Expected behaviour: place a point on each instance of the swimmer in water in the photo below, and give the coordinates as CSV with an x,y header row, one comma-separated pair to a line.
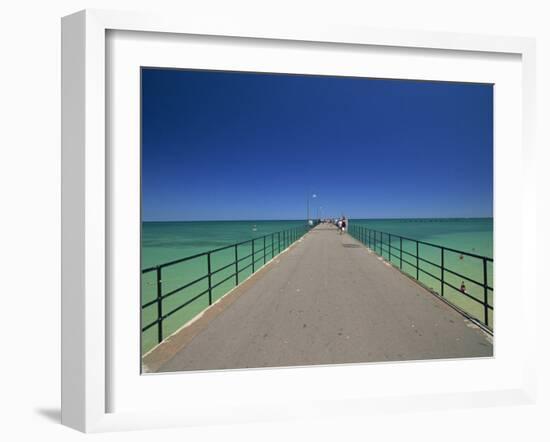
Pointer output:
x,y
463,287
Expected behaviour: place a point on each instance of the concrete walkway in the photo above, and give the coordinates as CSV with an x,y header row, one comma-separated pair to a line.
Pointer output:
x,y
327,300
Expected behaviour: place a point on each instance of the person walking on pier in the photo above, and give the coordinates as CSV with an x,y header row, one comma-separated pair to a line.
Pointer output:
x,y
344,224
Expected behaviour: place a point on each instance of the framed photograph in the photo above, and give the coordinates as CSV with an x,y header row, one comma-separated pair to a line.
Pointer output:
x,y
291,222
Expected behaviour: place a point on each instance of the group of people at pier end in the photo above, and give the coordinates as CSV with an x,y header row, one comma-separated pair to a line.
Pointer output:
x,y
342,224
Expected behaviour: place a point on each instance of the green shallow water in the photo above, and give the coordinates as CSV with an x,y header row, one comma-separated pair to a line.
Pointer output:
x,y
167,241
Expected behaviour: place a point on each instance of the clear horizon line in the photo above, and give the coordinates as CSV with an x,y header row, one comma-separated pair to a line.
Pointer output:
x,y
304,219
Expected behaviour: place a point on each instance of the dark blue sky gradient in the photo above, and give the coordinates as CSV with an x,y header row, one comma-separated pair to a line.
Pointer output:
x,y
222,146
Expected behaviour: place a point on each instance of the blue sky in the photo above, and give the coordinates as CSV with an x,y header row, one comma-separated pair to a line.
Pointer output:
x,y
228,145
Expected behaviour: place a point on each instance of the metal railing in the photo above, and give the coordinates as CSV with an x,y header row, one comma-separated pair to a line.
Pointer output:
x,y
271,245
393,248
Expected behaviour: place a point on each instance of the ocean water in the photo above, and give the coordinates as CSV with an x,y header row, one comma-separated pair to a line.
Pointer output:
x,y
168,241
473,235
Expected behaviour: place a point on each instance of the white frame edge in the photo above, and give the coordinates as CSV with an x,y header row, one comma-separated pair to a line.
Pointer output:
x,y
83,380
84,347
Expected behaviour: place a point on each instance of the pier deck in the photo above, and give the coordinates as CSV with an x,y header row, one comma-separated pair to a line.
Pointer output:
x,y
326,300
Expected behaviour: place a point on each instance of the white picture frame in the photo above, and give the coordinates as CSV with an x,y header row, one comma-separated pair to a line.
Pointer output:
x,y
86,317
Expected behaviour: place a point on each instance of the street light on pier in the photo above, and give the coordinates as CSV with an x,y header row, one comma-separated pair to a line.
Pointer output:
x,y
313,196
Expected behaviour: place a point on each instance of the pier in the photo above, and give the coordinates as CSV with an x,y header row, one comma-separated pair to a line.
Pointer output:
x,y
326,299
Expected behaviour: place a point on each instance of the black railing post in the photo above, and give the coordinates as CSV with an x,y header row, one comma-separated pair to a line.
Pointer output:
x,y
159,303
264,250
485,294
401,252
389,247
278,242
417,264
253,253
272,246
442,271
236,265
209,279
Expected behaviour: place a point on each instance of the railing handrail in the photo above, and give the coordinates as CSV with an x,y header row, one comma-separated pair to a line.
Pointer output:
x,y
366,234
284,238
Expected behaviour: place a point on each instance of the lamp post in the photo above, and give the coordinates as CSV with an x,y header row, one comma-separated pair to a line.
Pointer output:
x,y
312,196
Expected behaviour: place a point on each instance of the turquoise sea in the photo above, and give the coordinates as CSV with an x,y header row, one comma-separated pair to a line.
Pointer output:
x,y
168,241
474,235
